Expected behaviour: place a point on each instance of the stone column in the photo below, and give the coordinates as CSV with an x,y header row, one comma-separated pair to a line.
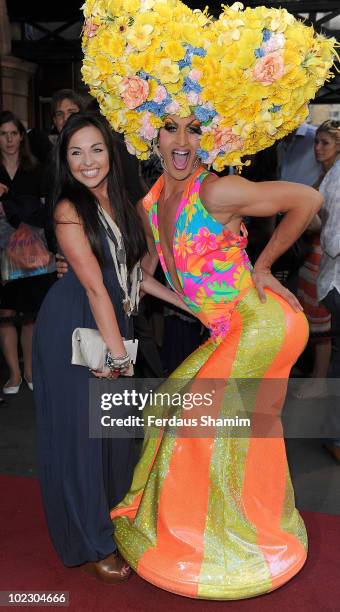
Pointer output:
x,y
15,74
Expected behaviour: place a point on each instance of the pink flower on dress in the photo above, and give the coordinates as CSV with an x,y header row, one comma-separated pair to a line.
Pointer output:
x,y
160,94
219,328
134,91
269,68
204,240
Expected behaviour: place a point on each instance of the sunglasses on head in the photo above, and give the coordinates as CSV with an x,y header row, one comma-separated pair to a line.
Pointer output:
x,y
332,123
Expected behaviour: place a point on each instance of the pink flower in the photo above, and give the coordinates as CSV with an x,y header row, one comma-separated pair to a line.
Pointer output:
x,y
147,131
204,240
195,74
275,42
90,28
134,91
212,156
172,108
160,94
130,148
193,98
225,139
269,68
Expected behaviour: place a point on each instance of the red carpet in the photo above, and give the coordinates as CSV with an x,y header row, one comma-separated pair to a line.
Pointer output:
x,y
29,563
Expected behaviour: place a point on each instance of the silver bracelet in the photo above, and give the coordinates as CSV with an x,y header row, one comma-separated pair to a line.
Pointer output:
x,y
118,363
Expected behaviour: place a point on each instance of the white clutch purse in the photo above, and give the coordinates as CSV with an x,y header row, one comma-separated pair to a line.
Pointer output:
x,y
89,349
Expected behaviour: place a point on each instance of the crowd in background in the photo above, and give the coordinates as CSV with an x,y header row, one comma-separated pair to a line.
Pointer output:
x,y
311,267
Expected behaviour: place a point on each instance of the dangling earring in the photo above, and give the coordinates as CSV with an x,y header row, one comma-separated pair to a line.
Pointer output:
x,y
196,163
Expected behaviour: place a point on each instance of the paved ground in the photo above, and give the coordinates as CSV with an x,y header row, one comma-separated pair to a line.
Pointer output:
x,y
316,476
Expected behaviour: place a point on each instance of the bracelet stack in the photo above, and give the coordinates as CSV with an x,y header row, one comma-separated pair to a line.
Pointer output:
x,y
118,364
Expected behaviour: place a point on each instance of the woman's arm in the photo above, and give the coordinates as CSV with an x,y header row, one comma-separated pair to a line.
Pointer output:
x,y
153,287
77,250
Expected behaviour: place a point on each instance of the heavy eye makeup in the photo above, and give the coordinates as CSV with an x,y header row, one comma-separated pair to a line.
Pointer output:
x,y
193,128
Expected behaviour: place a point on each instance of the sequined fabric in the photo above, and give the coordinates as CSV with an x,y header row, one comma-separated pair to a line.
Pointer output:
x,y
212,515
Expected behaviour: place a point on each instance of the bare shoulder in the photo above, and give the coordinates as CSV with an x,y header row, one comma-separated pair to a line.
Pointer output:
x,y
226,190
65,212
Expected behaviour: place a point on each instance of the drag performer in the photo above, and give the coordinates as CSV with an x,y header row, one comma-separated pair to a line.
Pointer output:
x,y
214,516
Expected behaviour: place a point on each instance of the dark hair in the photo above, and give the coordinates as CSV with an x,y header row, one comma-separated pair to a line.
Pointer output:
x,y
93,106
66,94
26,159
67,187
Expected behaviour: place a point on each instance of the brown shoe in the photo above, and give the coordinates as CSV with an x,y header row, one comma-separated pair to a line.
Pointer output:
x,y
111,570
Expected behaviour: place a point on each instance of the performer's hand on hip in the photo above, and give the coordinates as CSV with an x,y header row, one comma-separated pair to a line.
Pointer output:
x,y
263,279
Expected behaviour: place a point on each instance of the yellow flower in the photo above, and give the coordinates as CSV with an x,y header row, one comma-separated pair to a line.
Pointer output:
x,y
168,71
175,88
280,20
104,64
133,120
139,36
147,5
94,8
132,5
137,142
202,19
207,141
112,44
183,244
173,50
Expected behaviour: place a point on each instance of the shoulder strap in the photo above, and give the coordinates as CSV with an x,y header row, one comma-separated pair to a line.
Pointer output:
x,y
153,195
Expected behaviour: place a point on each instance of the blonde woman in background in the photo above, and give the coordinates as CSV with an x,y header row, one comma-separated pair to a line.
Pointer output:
x,y
328,284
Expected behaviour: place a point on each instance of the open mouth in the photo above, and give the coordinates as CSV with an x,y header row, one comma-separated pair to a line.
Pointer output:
x,y
180,159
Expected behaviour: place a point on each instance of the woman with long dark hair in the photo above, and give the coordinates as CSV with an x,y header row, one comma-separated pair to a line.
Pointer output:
x,y
81,477
23,288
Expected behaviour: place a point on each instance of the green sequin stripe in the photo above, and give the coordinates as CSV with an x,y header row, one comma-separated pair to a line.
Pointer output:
x,y
291,520
234,566
135,536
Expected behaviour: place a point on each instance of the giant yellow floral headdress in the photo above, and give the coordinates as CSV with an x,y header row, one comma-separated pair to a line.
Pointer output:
x,y
247,76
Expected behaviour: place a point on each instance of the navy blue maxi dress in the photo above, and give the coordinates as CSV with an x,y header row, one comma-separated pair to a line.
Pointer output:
x,y
81,478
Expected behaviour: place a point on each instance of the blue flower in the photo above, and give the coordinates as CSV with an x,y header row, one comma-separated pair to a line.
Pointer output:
x,y
203,114
143,75
153,107
266,35
259,53
190,85
184,62
275,108
202,154
199,51
189,52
